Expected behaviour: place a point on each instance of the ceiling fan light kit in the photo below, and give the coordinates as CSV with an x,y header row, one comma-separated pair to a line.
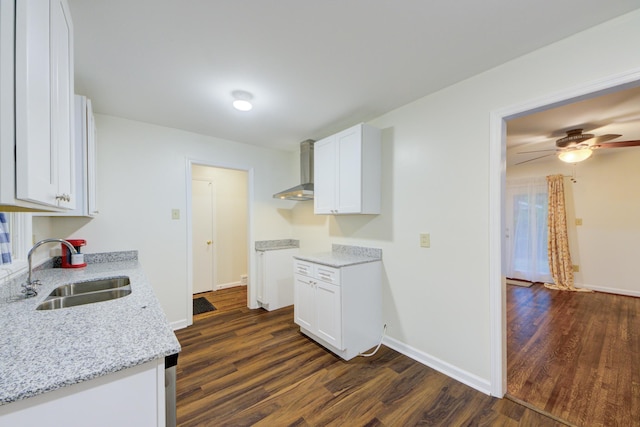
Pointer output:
x,y
575,156
573,148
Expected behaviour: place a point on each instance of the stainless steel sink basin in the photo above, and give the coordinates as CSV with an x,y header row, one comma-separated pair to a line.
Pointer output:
x,y
81,293
82,299
90,286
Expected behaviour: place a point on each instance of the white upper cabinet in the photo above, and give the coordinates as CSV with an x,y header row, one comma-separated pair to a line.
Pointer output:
x,y
84,169
347,172
41,44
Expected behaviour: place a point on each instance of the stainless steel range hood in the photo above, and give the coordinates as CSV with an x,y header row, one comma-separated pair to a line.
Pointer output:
x,y
304,191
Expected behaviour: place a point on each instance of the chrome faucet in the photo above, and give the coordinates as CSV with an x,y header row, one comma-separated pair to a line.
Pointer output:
x,y
29,289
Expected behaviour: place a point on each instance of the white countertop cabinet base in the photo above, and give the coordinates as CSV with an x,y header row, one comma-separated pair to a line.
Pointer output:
x,y
275,279
340,308
131,397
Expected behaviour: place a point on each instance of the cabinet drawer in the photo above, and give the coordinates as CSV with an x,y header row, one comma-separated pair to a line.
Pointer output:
x,y
304,268
328,274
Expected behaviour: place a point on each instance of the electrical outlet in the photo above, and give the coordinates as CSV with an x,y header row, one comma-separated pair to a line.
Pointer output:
x,y
175,213
425,240
578,221
576,268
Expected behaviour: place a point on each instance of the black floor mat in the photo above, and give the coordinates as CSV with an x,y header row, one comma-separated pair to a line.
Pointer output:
x,y
202,305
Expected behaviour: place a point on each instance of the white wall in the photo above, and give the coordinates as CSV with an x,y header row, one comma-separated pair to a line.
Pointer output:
x,y
605,197
142,176
230,227
436,170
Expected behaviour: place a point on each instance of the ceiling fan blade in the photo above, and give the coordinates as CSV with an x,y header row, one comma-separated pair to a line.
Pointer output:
x,y
531,160
619,144
604,138
536,151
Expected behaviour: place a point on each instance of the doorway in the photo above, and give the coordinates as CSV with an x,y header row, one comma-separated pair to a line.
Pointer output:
x,y
498,160
219,229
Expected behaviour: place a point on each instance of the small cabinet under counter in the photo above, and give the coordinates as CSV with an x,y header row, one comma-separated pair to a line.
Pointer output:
x,y
274,276
339,306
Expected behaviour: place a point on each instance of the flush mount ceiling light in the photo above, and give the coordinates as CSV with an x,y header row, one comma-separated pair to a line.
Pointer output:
x,y
575,156
242,100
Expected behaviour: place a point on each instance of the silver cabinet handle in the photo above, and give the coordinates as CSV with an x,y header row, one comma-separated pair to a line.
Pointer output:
x,y
64,197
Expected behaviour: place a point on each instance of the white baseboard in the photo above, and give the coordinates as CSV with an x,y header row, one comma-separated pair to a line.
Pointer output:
x,y
627,292
179,324
229,285
449,370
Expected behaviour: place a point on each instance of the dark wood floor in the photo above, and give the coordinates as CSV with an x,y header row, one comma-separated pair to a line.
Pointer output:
x,y
575,355
241,367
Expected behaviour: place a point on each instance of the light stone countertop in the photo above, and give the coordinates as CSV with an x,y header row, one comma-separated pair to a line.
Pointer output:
x,y
275,245
43,350
343,256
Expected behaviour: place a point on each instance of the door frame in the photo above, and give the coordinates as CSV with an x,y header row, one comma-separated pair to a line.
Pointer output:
x,y
251,292
214,237
497,179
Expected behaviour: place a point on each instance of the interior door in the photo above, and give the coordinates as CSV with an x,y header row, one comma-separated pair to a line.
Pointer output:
x,y
203,209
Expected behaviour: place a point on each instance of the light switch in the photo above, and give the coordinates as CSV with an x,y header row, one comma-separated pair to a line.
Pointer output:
x,y
175,213
425,240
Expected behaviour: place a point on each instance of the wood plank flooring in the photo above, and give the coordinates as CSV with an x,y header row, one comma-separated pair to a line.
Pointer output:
x,y
575,355
242,367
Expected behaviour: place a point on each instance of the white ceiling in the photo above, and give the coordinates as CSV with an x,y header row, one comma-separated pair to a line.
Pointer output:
x,y
314,67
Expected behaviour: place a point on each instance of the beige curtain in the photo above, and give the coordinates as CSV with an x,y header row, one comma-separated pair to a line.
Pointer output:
x,y
560,263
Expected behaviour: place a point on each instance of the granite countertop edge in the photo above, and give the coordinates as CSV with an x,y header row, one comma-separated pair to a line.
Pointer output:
x,y
275,245
91,340
332,260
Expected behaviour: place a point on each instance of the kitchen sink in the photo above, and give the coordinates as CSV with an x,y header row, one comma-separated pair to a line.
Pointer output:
x,y
90,286
89,292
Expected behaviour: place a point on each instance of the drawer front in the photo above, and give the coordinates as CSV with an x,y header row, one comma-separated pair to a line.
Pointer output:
x,y
328,274
302,267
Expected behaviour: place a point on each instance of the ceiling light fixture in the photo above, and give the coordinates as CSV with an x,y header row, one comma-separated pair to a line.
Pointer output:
x,y
242,100
575,156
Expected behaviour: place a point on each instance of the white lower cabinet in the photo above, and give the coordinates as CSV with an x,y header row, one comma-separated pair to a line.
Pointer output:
x,y
132,397
339,308
275,280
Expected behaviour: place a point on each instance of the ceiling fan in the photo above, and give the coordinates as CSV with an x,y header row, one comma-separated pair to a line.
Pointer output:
x,y
577,146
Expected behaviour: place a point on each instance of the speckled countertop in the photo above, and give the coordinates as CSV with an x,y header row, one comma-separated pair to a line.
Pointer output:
x,y
274,245
43,350
343,256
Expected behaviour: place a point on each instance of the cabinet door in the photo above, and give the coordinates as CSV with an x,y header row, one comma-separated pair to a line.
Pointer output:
x,y
349,171
92,159
36,171
304,306
324,175
44,103
62,101
329,313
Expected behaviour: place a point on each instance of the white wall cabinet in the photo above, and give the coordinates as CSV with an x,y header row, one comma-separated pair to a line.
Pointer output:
x,y
85,166
37,76
347,172
275,279
339,308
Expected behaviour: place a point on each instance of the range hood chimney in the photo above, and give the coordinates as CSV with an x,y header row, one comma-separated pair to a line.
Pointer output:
x,y
304,191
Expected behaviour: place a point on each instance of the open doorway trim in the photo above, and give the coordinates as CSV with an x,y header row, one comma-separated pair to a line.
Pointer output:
x,y
497,179
251,300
